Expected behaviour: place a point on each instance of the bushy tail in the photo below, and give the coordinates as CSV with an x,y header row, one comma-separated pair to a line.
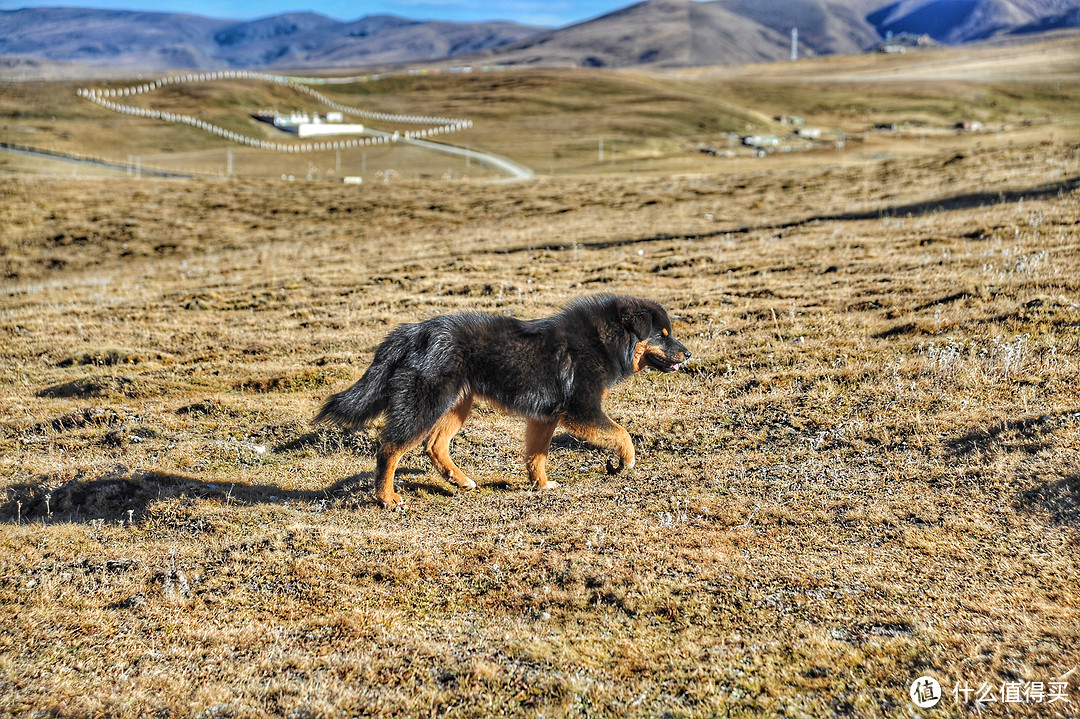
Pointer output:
x,y
366,399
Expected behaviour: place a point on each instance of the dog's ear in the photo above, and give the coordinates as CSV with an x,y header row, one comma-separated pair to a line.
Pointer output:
x,y
635,318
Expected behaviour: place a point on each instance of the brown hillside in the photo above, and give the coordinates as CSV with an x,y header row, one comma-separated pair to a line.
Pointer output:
x,y
661,33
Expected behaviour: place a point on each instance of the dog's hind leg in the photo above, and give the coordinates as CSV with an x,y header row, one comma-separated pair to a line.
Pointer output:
x,y
537,443
599,431
386,462
437,444
416,405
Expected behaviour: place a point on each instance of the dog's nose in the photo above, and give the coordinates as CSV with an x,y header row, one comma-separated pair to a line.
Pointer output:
x,y
687,353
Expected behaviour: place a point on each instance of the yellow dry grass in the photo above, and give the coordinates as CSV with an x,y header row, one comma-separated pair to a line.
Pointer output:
x,y
868,475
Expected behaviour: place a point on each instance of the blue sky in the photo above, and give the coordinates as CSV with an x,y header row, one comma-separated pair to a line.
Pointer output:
x,y
533,12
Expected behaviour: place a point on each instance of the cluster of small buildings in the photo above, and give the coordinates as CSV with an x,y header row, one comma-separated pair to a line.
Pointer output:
x,y
902,42
802,137
303,125
770,143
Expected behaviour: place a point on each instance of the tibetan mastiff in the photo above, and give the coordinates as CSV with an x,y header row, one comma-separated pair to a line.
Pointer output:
x,y
551,371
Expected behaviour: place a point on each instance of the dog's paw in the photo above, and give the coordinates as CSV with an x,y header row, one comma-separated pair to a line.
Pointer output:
x,y
463,483
395,502
550,484
613,468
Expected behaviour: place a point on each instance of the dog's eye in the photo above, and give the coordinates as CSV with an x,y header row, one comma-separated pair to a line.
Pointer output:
x,y
664,332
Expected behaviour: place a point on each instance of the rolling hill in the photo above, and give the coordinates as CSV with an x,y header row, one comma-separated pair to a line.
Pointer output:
x,y
670,33
659,33
960,21
149,41
826,27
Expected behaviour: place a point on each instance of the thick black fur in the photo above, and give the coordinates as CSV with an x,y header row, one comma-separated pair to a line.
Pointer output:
x,y
542,369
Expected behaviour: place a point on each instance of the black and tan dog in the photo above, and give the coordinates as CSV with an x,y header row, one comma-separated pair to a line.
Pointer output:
x,y
551,371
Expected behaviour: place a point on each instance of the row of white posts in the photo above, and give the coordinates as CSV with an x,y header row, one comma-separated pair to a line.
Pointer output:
x,y
99,97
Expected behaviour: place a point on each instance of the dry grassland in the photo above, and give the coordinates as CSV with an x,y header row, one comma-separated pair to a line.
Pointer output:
x,y
867,474
561,122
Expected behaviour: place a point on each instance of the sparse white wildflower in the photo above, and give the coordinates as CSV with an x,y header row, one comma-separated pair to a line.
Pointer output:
x,y
1010,357
945,359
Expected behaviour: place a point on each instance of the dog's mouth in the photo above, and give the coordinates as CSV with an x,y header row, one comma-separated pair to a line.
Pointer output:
x,y
662,363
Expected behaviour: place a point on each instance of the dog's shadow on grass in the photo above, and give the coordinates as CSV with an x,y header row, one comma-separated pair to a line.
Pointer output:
x,y
127,494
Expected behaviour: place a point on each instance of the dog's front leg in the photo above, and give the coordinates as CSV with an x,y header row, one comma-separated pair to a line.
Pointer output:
x,y
600,431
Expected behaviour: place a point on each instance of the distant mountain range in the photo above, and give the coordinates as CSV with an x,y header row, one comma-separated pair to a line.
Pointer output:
x,y
661,33
956,22
157,41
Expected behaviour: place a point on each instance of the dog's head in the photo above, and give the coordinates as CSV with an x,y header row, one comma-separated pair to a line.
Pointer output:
x,y
650,326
